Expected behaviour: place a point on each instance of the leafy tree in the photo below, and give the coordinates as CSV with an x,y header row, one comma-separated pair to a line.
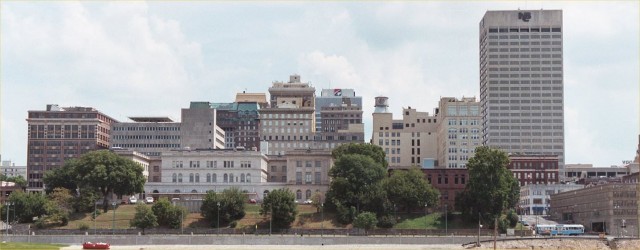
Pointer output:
x,y
410,189
366,221
168,214
375,152
491,189
231,207
356,183
317,200
26,206
59,206
18,180
85,201
144,218
280,204
62,177
108,173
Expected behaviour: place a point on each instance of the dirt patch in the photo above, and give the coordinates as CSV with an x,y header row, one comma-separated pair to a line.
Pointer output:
x,y
550,244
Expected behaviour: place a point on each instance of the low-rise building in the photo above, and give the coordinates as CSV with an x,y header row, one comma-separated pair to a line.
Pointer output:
x,y
9,169
536,198
534,169
610,208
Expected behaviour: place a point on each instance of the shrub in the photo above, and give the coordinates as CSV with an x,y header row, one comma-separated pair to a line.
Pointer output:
x,y
386,221
513,218
83,226
233,224
366,221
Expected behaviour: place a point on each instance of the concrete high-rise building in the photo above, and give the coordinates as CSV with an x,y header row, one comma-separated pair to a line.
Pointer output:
x,y
147,135
459,126
408,142
240,122
199,129
289,121
336,98
58,134
521,81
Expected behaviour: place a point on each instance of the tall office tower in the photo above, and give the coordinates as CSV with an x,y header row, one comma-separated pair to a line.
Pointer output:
x,y
198,129
58,134
459,126
521,82
338,118
335,98
240,122
407,142
147,135
289,121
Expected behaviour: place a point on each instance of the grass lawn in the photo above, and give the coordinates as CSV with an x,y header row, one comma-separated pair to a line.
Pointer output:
x,y
35,246
124,213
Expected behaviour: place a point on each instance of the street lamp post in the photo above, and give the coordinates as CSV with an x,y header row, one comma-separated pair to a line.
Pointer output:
x,y
218,210
425,219
113,230
322,223
271,218
8,205
95,216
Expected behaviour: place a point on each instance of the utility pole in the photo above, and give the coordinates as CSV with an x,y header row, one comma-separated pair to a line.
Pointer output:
x,y
495,232
479,227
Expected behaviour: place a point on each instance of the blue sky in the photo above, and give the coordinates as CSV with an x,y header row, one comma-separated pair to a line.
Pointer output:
x,y
137,58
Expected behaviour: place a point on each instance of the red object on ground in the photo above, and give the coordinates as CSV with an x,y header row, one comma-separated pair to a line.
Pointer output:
x,y
98,245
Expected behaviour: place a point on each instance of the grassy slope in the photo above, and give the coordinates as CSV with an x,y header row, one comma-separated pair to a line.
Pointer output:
x,y
307,218
34,246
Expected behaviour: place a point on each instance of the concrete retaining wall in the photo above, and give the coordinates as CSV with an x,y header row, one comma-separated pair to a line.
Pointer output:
x,y
238,239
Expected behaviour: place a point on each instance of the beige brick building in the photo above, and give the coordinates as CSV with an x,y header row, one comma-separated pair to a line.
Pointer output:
x,y
459,131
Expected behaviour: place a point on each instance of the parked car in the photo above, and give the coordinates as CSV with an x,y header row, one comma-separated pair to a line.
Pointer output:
x,y
133,200
253,201
149,199
308,201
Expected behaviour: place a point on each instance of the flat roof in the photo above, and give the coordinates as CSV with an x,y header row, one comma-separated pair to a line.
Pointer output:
x,y
150,119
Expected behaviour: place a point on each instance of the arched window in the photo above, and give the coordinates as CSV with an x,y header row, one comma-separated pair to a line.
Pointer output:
x,y
194,191
197,177
226,178
208,177
179,177
298,195
215,178
241,177
308,194
191,177
230,177
248,177
176,191
174,178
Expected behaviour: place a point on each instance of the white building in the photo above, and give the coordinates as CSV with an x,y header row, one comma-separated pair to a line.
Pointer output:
x,y
9,169
536,198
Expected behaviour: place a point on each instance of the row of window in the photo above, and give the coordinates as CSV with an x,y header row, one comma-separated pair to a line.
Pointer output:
x,y
285,116
145,145
308,164
525,36
307,178
525,30
147,137
211,178
116,128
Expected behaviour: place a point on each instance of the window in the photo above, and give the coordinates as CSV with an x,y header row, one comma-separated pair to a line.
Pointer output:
x,y
308,194
175,178
307,178
208,177
225,178
318,164
248,177
241,177
298,194
298,177
179,177
214,178
191,177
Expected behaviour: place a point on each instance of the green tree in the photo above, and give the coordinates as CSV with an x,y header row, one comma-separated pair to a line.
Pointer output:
x,y
366,221
62,177
410,189
356,182
144,218
108,173
231,207
26,206
280,204
375,152
317,200
59,206
177,214
162,210
491,189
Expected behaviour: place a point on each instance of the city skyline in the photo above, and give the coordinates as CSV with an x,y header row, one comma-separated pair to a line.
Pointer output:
x,y
130,59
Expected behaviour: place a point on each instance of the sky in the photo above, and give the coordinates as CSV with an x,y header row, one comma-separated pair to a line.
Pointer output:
x,y
153,58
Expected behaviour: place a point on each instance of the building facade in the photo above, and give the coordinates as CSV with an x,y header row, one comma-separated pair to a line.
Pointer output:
x,y
521,81
289,121
610,208
61,133
450,182
406,142
536,198
198,128
147,135
459,131
336,98
534,169
9,169
240,122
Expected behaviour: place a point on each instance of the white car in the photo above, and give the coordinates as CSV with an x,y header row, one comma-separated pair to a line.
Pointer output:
x,y
149,199
133,200
308,201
